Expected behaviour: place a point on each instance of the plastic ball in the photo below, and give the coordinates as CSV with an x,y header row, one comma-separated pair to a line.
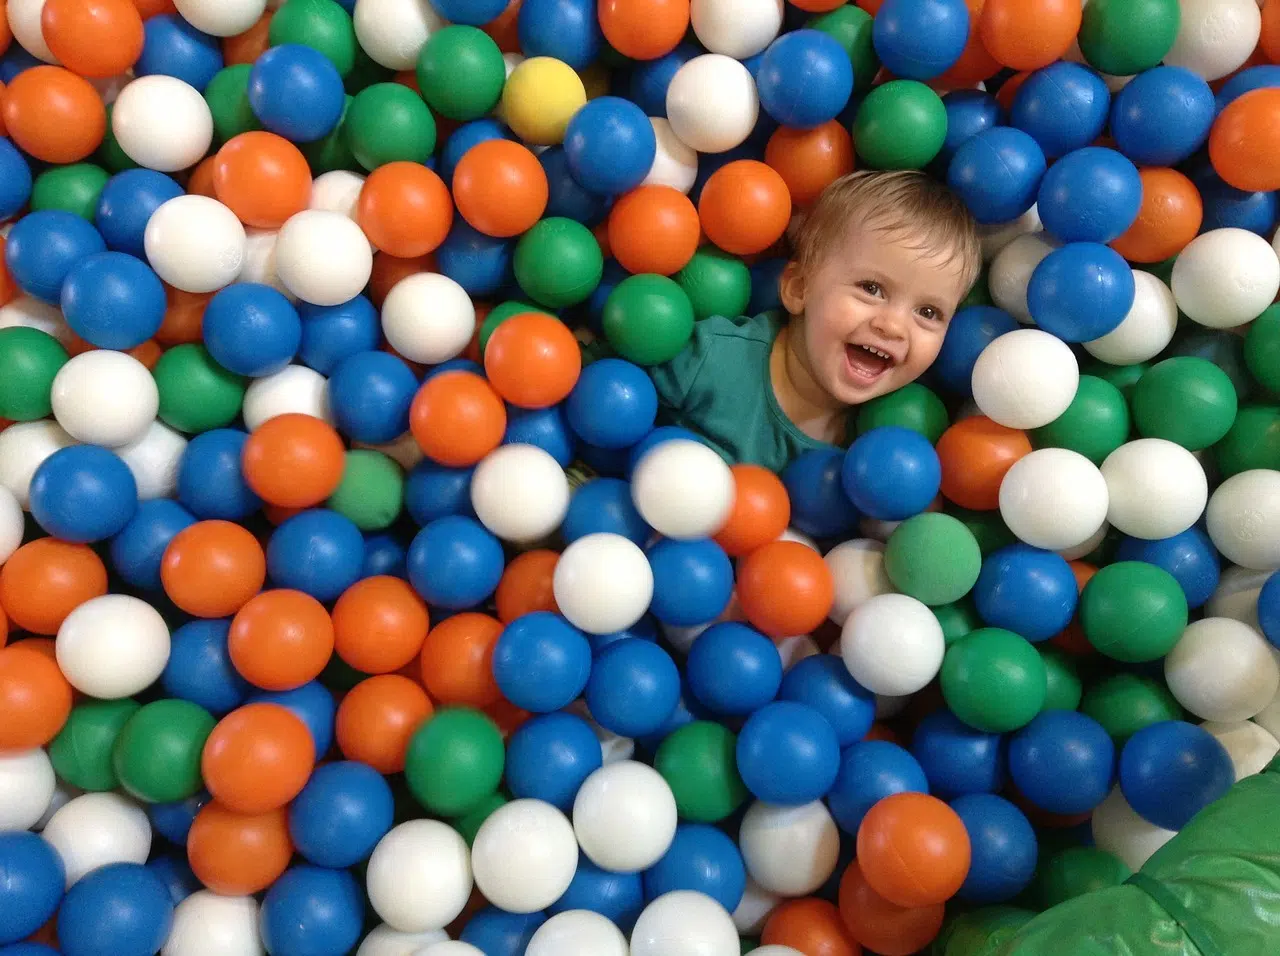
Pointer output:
x,y
1171,770
122,906
957,759
1003,848
524,856
1215,53
1090,195
971,329
1146,330
1221,670
558,263
933,558
520,493
892,645
920,39
296,91
540,97
1171,215
1027,591
96,829
314,908
702,859
785,588
27,783
1015,260
52,114
1053,482
997,173
805,79
994,680
891,473
457,418
208,922
577,932
322,257
634,687
1081,292
712,103
455,562
1063,762
541,663
43,248
1248,542
1163,116
1132,611
83,493
1063,107
624,816
733,669
418,877
113,300
1222,278
683,923
1025,379
693,581
683,489
550,756
1156,489
913,849
736,30
162,123
392,32
33,886
195,243
901,124
17,179
610,145
788,754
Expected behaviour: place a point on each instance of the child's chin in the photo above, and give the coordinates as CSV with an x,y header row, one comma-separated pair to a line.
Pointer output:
x,y
855,391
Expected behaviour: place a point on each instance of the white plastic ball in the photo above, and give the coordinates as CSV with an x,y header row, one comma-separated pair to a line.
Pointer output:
x,y
24,24
1244,519
793,650
1269,718
712,104
31,313
323,257
674,163
1148,328
520,493
524,856
207,924
1010,272
791,851
755,908
23,448
113,646
260,261
419,876
997,236
736,28
105,398
337,191
384,940
602,583
294,389
577,933
1225,278
857,567
613,747
448,947
1250,746
27,783
162,123
96,829
393,32
1118,829
221,18
1221,670
684,923
195,243
1156,488
892,644
154,460
1215,37
1088,545
1053,498
683,489
1025,379
624,817
1236,595
428,318
791,534
12,524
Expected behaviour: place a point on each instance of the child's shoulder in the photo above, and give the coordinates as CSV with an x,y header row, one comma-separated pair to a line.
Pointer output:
x,y
755,328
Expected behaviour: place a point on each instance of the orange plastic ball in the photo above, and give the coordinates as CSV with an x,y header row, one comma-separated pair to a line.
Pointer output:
x,y
885,927
457,660
504,29
1029,34
379,624
293,460
248,46
500,188
785,588
1269,42
258,758
532,360
1244,144
975,63
1072,639
761,511
405,209
54,115
35,698
811,926
8,287
378,717
654,229
46,579
212,568
644,29
817,6
280,639
262,178
913,849
1009,89
745,207
1169,217
183,316
6,37
526,586
238,854
200,182
389,269
975,454
97,38
457,418
810,160
153,8
4,627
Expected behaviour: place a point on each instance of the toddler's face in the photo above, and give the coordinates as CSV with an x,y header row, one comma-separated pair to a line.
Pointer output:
x,y
875,311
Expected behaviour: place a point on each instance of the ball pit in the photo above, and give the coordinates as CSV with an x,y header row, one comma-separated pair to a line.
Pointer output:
x,y
349,604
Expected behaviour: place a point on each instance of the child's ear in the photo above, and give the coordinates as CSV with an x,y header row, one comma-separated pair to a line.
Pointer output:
x,y
791,288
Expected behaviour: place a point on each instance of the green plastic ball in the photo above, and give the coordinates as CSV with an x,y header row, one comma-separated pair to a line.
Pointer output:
x,y
196,393
558,262
1188,401
388,123
322,25
228,97
1078,870
1124,37
901,124
957,619
81,753
1095,424
933,557
979,294
699,762
1252,442
469,824
74,189
980,932
913,406
1125,703
1063,675
366,73
499,314
461,73
157,755
1123,377
1262,349
371,492
987,528
994,680
1219,348
648,319
29,360
455,761
850,26
716,283
333,151
1132,611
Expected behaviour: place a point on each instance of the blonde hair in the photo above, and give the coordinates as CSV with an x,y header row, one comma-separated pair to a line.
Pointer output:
x,y
902,205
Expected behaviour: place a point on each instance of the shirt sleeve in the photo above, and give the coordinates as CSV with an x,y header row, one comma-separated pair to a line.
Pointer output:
x,y
674,379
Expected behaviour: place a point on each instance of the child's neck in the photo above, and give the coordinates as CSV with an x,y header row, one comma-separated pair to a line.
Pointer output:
x,y
799,395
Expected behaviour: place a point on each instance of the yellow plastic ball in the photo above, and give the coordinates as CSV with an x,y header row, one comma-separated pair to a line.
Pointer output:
x,y
540,98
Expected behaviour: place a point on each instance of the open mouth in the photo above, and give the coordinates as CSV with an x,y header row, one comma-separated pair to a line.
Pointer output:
x,y
866,362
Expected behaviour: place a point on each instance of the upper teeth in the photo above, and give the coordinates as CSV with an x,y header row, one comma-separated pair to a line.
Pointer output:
x,y
876,351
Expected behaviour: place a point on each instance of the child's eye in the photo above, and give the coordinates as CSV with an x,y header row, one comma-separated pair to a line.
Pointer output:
x,y
869,287
930,313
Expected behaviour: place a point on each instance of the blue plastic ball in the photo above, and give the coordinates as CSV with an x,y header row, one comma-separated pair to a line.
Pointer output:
x,y
692,581
545,428
121,909
1190,557
646,629
566,30
651,78
15,179
14,61
383,555
1063,107
1162,116
251,329
331,333
619,897
1090,195
113,300
788,753
341,814
454,562
1026,590
969,112
496,932
819,505
480,264
805,79
210,482
1269,609
1170,771
956,758
920,39
972,329
44,246
32,878
1262,77
549,756
318,552
891,473
176,875
565,195
541,662
370,393
703,860
313,704
1081,292
733,669
1003,849
200,669
474,13
608,462
173,820
1226,207
613,405
173,47
312,910
433,491
296,92
452,365
823,682
610,145
997,173
869,771
83,493
634,687
1063,762
765,276
137,551
126,205
609,279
